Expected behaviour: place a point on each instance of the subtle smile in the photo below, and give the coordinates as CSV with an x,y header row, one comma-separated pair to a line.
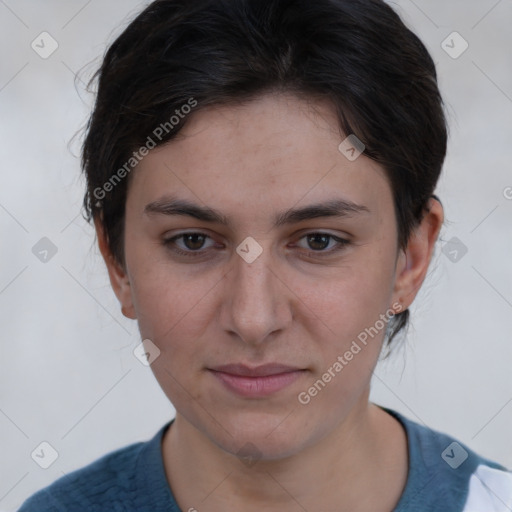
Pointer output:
x,y
256,382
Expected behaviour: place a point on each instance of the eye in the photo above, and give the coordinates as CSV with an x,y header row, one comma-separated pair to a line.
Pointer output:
x,y
319,242
191,243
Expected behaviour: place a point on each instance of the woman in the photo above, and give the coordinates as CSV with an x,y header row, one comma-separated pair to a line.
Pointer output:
x,y
261,177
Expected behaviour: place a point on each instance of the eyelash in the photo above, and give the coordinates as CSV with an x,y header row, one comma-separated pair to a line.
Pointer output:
x,y
170,243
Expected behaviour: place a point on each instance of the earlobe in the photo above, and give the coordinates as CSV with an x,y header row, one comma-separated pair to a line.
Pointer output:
x,y
118,276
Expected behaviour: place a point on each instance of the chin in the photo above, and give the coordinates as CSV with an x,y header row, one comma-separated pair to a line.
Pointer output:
x,y
261,436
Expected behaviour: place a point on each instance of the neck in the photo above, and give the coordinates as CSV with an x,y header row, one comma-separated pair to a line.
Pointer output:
x,y
357,465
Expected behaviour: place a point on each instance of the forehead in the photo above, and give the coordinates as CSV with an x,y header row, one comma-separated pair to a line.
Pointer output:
x,y
270,153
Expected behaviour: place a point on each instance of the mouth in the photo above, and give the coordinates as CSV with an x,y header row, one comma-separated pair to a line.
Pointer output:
x,y
256,382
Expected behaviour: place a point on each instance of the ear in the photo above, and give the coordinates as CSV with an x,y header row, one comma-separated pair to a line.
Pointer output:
x,y
413,263
118,276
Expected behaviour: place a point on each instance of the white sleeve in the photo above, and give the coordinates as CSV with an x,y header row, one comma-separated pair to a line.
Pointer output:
x,y
490,490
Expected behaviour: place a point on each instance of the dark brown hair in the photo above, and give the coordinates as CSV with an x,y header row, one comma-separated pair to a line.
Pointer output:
x,y
357,54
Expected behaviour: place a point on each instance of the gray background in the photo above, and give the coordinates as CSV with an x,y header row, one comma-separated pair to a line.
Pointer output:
x,y
67,372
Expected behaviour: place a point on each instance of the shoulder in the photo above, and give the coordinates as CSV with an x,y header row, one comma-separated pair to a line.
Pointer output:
x,y
117,481
445,474
108,479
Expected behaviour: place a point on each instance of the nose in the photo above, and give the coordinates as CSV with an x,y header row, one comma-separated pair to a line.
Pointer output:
x,y
256,303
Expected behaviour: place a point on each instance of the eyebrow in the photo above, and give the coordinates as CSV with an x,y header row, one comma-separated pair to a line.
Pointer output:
x,y
332,208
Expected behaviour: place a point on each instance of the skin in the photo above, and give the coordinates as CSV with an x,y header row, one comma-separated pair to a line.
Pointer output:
x,y
296,304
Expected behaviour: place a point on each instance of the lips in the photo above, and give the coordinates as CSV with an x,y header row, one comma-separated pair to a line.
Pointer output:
x,y
257,371
256,382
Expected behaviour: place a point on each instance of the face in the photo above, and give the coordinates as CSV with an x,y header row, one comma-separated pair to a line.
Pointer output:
x,y
257,254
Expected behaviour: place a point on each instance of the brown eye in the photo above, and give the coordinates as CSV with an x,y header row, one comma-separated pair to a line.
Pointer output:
x,y
318,241
323,243
189,244
194,241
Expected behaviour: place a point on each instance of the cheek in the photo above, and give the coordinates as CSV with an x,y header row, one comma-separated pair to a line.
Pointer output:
x,y
350,298
169,302
350,333
167,310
